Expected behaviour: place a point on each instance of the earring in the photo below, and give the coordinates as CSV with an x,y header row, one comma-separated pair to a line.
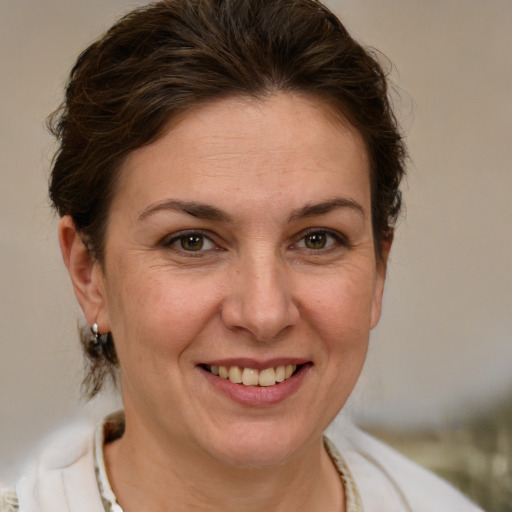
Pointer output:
x,y
95,334
98,340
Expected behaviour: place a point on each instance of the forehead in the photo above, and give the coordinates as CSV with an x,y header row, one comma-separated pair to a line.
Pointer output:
x,y
281,143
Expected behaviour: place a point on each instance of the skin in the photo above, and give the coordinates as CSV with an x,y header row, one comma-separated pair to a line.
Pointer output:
x,y
262,287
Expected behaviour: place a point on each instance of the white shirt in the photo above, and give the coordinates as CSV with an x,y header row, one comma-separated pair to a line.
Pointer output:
x,y
70,476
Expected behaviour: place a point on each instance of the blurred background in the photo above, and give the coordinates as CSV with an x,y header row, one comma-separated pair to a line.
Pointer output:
x,y
438,381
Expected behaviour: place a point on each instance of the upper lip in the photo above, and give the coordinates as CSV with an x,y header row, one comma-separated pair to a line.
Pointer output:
x,y
256,364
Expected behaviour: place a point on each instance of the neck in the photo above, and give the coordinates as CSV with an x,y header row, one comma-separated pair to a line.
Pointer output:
x,y
148,475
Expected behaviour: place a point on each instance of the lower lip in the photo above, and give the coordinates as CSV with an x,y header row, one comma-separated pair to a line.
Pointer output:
x,y
258,396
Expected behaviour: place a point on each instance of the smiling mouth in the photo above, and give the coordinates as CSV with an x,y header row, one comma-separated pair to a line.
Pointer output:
x,y
252,377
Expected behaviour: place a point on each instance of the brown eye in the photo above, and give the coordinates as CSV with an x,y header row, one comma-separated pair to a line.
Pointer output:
x,y
320,240
315,240
192,242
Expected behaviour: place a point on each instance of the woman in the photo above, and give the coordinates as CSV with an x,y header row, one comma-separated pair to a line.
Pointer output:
x,y
228,181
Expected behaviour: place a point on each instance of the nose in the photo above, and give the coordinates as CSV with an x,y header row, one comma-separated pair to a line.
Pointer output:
x,y
260,299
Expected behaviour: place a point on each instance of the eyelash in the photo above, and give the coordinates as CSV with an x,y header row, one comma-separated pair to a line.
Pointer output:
x,y
338,241
183,235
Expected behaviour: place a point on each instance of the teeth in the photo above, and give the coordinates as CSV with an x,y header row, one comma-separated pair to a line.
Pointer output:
x,y
252,377
235,374
280,374
267,377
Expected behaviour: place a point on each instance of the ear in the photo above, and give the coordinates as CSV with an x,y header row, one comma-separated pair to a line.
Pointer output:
x,y
86,274
380,279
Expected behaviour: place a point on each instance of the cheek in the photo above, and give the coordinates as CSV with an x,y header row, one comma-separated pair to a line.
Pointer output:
x,y
342,302
156,313
339,317
339,312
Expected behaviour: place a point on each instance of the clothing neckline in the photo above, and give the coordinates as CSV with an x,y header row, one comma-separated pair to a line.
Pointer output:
x,y
112,428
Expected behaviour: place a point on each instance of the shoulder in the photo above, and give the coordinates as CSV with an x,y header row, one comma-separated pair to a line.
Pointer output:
x,y
60,477
384,476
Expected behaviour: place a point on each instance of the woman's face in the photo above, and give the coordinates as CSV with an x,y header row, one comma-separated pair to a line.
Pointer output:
x,y
241,242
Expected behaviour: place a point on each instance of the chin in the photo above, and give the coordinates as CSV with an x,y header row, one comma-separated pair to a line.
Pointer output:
x,y
259,447
254,457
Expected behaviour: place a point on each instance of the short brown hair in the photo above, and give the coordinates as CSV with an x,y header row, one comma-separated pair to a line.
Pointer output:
x,y
173,55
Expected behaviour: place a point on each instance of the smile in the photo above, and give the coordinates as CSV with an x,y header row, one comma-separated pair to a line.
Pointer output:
x,y
253,377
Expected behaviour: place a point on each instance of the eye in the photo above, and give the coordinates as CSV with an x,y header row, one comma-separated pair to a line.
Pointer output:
x,y
191,241
318,240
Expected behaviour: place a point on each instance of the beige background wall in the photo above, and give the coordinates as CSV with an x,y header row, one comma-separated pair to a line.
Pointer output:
x,y
444,348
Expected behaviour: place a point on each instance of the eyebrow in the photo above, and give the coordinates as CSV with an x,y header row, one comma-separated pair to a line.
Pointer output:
x,y
198,210
208,212
313,210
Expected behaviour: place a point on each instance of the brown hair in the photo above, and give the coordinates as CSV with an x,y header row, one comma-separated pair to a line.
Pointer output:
x,y
173,55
